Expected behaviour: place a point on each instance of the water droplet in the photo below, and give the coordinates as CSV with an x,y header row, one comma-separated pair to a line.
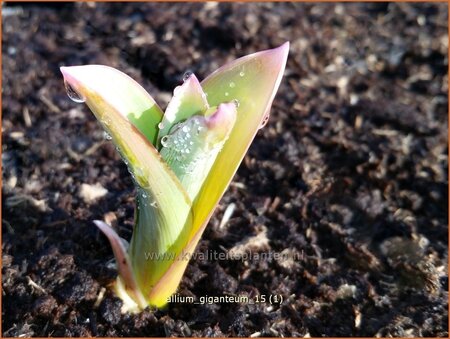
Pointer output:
x,y
227,94
236,103
232,84
72,94
106,136
154,204
185,128
241,74
265,120
164,141
187,75
160,125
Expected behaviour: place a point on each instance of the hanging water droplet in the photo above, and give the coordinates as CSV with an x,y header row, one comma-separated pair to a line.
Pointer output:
x,y
106,136
160,125
187,75
227,94
232,84
236,103
264,122
72,94
241,73
164,141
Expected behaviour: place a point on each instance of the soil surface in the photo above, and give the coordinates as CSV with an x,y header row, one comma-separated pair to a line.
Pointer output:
x,y
349,177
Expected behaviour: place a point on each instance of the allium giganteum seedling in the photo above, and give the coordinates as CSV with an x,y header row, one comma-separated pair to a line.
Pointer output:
x,y
182,160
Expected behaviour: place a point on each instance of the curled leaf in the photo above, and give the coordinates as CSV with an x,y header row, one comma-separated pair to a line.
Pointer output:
x,y
191,149
188,100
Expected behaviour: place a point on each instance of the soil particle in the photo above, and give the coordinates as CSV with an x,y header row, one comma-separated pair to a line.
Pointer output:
x,y
110,310
44,306
78,288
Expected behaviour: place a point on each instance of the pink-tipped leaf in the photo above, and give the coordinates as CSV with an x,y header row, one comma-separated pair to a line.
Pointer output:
x,y
128,98
253,81
123,263
188,99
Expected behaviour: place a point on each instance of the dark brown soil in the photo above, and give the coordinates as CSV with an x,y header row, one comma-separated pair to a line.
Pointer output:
x,y
350,174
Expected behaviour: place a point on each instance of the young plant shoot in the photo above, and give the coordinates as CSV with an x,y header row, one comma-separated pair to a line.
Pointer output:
x,y
181,161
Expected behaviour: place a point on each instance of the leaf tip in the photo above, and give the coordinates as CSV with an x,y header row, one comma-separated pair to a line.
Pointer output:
x,y
222,121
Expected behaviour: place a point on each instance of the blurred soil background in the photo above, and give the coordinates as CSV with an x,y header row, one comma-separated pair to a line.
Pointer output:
x,y
349,176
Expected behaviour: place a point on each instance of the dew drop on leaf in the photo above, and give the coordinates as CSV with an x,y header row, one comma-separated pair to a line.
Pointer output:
x,y
72,94
164,141
160,125
232,84
227,94
106,136
265,120
241,74
236,103
187,75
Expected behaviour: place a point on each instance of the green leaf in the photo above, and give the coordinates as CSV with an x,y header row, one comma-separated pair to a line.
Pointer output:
x,y
253,81
164,216
120,91
188,100
191,149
